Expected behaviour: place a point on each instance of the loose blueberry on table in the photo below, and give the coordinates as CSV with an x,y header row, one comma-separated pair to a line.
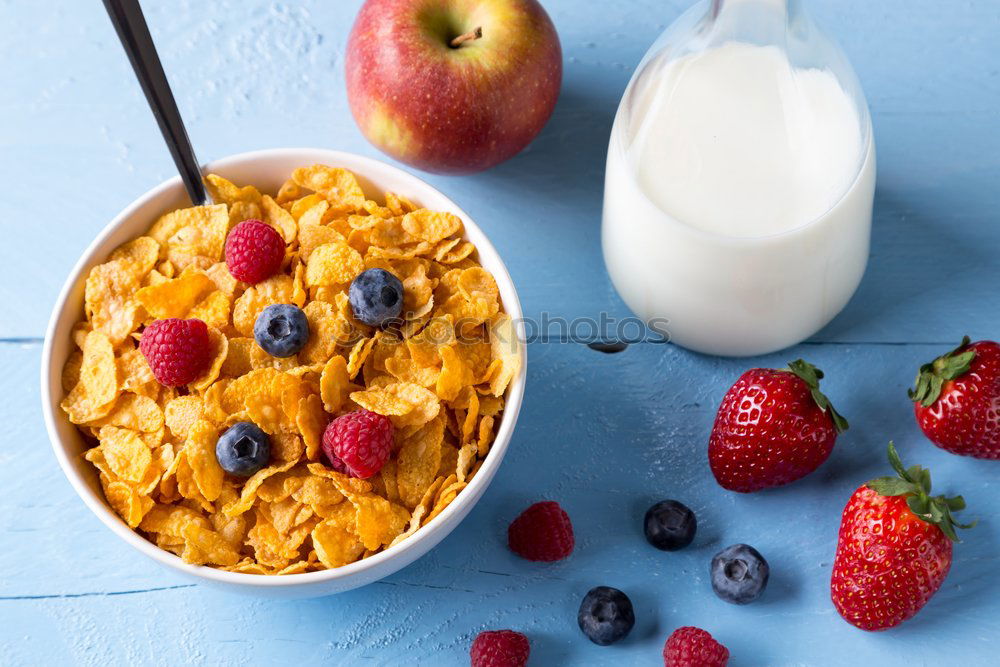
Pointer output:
x,y
605,615
281,330
243,449
739,574
376,297
669,525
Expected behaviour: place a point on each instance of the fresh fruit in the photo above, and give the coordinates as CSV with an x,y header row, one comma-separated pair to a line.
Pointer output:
x,y
693,647
480,79
254,251
177,351
543,532
499,648
894,549
670,525
605,615
359,441
739,574
774,426
957,400
243,449
376,297
281,329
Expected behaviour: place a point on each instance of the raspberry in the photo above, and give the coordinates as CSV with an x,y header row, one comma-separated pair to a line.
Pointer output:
x,y
254,251
335,461
500,648
177,351
358,443
693,647
542,532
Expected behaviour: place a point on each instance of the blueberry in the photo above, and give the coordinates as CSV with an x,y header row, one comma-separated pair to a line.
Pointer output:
x,y
605,615
243,449
739,574
376,297
670,525
281,329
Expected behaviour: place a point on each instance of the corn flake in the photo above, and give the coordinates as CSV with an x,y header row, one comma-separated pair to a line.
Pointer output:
x,y
430,225
333,264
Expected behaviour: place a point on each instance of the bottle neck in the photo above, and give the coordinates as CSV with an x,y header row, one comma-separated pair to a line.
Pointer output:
x,y
790,7
756,21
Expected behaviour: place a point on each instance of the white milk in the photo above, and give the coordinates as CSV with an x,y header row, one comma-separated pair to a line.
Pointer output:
x,y
738,199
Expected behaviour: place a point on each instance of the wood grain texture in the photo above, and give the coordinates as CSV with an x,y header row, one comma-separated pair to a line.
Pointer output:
x,y
605,435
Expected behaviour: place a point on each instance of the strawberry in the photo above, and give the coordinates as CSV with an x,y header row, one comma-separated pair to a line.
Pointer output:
x,y
773,427
894,549
957,400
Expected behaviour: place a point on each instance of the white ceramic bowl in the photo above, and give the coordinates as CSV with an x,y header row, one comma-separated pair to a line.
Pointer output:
x,y
266,169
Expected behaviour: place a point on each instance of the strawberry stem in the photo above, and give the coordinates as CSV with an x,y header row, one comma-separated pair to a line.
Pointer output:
x,y
915,484
931,377
811,376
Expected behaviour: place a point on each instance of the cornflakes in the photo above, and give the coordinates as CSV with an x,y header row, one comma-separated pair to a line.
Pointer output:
x,y
439,375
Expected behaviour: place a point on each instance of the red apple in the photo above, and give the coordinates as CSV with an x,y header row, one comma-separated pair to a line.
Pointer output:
x,y
452,86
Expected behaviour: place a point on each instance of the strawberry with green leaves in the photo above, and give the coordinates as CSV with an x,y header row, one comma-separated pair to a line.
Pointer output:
x,y
894,550
773,427
957,400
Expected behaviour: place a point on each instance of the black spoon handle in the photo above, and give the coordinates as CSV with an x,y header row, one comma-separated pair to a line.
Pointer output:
x,y
126,15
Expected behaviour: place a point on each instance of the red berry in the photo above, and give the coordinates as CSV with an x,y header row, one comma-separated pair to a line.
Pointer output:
x,y
542,532
500,648
177,351
335,461
693,647
254,251
773,427
358,443
957,400
889,560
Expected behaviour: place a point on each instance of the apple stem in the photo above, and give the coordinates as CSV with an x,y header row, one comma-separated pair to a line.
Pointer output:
x,y
467,37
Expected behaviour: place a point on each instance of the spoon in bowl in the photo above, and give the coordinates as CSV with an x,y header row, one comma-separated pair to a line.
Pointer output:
x,y
130,24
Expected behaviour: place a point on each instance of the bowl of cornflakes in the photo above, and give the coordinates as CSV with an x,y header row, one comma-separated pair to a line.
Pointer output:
x,y
153,458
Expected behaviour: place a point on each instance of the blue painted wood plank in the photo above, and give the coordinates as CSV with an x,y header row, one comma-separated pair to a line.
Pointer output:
x,y
606,436
79,144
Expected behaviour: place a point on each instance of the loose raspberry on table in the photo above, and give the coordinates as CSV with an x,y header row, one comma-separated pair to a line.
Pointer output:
x,y
358,443
177,351
254,251
693,647
499,648
543,532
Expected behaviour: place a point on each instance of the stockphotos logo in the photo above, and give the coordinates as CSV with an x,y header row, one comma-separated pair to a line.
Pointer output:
x,y
603,330
604,333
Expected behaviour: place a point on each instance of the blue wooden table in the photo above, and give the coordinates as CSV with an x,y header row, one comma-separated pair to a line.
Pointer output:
x,y
604,435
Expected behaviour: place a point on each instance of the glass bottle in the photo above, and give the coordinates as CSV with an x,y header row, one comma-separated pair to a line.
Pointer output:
x,y
740,179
